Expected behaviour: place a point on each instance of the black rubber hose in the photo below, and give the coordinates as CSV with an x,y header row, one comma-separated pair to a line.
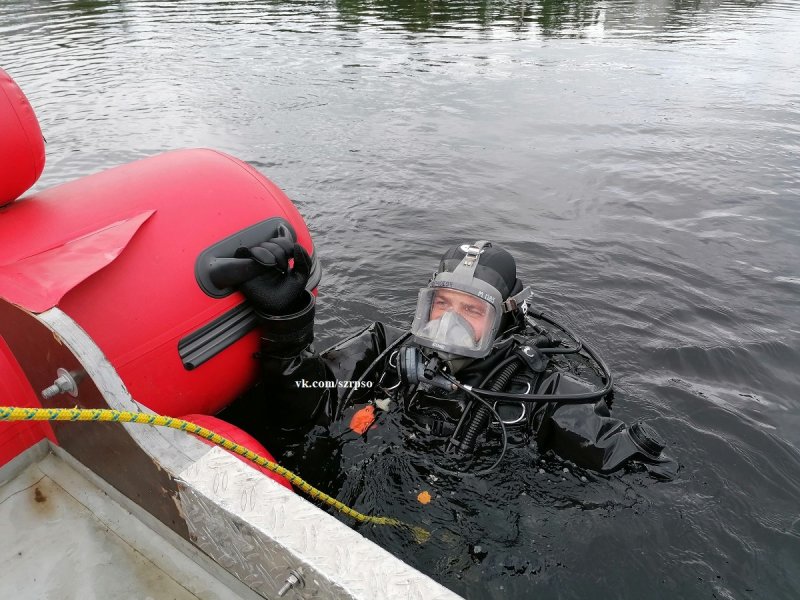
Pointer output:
x,y
480,420
466,413
367,371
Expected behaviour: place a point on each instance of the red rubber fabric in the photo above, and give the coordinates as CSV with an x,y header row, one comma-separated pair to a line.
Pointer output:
x,y
239,436
117,252
21,142
15,390
38,282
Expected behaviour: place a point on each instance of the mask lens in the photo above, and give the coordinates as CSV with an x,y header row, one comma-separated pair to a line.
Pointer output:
x,y
454,321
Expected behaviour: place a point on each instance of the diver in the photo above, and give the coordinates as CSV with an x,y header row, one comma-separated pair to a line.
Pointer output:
x,y
479,368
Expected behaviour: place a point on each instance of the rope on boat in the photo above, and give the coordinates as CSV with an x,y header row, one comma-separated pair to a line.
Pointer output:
x,y
12,413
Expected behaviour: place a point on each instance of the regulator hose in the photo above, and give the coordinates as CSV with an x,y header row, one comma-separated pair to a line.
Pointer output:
x,y
535,399
12,413
480,419
538,399
367,371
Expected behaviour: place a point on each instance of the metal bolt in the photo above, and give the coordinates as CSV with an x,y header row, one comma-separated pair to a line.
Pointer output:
x,y
293,580
65,382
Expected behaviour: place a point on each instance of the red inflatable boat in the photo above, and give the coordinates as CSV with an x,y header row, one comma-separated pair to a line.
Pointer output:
x,y
122,254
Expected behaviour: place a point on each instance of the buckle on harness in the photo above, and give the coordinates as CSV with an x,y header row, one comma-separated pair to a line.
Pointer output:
x,y
473,252
520,299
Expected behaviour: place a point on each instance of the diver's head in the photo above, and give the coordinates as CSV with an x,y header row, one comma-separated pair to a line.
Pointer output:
x,y
468,301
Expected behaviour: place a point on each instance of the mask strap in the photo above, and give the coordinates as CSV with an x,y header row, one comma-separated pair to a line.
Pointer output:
x,y
470,262
514,302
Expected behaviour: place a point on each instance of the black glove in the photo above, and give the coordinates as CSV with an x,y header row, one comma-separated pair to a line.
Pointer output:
x,y
280,299
281,290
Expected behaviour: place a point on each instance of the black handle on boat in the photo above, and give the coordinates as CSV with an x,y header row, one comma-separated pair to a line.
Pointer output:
x,y
230,272
218,269
249,262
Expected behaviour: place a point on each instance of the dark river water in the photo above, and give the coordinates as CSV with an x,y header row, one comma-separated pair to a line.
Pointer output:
x,y
640,159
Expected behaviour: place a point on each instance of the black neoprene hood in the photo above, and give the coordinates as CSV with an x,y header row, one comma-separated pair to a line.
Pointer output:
x,y
496,267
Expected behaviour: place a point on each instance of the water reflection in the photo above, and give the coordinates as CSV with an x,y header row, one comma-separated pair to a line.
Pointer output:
x,y
449,18
75,8
422,16
73,17
90,6
569,18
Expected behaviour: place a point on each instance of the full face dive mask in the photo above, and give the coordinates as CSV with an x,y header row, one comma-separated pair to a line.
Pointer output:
x,y
460,313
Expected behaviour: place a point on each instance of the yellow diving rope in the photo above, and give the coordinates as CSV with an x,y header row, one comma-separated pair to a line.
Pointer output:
x,y
11,413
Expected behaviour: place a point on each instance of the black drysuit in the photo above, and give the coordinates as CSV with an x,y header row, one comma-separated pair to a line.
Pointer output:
x,y
305,395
